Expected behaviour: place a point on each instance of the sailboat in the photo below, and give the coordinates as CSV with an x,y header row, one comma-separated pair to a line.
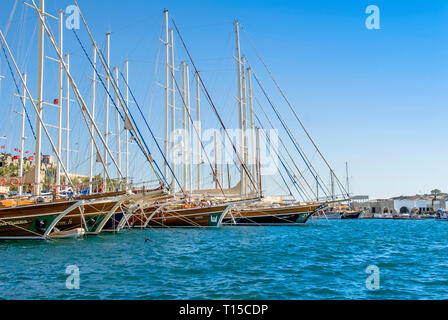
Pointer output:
x,y
64,214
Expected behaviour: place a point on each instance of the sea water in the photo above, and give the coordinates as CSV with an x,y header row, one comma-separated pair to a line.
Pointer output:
x,y
345,259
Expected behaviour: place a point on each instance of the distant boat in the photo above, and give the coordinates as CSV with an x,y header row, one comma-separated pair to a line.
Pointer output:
x,y
441,215
355,214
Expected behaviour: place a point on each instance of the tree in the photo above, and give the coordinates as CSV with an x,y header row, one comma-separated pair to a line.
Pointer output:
x,y
435,192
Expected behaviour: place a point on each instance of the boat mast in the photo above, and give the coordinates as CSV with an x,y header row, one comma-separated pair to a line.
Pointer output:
x,y
60,97
126,64
106,121
173,112
184,134
258,159
244,104
93,117
346,172
252,130
199,128
117,135
240,107
189,145
167,53
67,119
216,160
40,80
22,135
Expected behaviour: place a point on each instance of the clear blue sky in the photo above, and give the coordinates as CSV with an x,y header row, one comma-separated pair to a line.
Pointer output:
x,y
374,98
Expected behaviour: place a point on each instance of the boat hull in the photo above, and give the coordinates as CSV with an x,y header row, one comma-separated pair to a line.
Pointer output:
x,y
291,215
190,217
351,215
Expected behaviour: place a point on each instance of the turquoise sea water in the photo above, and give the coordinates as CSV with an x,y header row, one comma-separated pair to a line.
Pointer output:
x,y
320,260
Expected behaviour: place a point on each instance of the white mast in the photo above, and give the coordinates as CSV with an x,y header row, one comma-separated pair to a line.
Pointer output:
x,y
40,80
189,145
173,111
216,160
240,107
198,112
252,130
348,185
117,135
22,136
60,97
126,63
106,121
258,159
67,119
167,70
184,122
92,160
244,105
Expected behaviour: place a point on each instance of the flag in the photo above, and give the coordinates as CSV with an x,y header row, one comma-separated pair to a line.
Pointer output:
x,y
3,147
31,158
56,101
27,152
16,149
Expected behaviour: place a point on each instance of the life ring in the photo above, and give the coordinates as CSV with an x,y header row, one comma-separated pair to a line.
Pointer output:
x,y
3,182
14,182
53,187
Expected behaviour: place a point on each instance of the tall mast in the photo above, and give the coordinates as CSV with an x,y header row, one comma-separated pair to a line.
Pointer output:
x,y
117,135
22,135
40,92
244,105
92,160
106,121
346,172
67,119
240,107
332,184
173,110
167,70
252,130
258,159
216,160
184,122
198,125
126,64
189,147
60,97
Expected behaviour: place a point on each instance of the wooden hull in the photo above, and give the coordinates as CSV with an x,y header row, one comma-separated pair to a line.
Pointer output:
x,y
97,215
271,216
351,215
39,221
31,221
190,217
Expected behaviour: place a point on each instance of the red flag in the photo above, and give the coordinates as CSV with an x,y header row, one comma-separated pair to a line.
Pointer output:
x,y
31,158
56,101
15,158
15,149
3,147
27,152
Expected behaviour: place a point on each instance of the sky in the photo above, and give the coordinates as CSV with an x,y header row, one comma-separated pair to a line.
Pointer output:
x,y
375,99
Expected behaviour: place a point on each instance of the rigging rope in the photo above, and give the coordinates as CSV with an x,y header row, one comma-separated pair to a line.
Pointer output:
x,y
289,133
293,110
243,165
